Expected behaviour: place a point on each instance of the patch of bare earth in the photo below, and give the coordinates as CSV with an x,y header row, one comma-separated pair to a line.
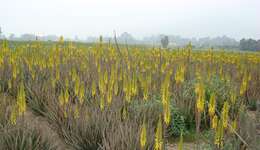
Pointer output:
x,y
186,146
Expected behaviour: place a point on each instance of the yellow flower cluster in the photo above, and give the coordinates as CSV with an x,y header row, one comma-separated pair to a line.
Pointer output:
x,y
212,105
21,99
224,114
165,94
179,76
244,84
200,92
143,136
219,134
159,136
106,73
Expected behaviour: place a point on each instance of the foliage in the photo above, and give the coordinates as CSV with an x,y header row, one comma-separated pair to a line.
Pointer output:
x,y
23,138
138,96
249,44
165,41
178,125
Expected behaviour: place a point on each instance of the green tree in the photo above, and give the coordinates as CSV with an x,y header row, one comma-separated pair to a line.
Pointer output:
x,y
249,44
165,41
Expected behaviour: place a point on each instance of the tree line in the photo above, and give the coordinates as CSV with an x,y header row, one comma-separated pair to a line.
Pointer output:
x,y
250,44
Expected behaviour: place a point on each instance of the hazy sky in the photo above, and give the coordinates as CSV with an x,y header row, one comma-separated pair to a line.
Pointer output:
x,y
188,18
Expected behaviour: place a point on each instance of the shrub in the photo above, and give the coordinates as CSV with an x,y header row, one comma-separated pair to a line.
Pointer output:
x,y
19,138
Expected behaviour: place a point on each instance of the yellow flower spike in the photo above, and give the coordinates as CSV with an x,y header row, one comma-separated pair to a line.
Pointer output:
x,y
224,114
109,97
93,88
143,135
65,114
61,99
102,102
212,104
57,75
53,82
9,84
14,75
66,96
134,86
233,126
74,75
33,74
125,85
105,77
116,88
214,122
219,134
244,85
159,136
165,94
13,116
145,94
167,114
81,94
200,91
179,76
21,100
101,84
128,97
77,86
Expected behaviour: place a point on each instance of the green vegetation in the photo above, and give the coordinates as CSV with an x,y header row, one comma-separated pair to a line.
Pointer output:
x,y
117,97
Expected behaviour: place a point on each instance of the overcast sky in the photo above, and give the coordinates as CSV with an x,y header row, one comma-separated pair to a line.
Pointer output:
x,y
187,18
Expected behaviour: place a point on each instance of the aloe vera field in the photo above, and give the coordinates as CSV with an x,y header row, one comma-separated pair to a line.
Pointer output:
x,y
109,96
